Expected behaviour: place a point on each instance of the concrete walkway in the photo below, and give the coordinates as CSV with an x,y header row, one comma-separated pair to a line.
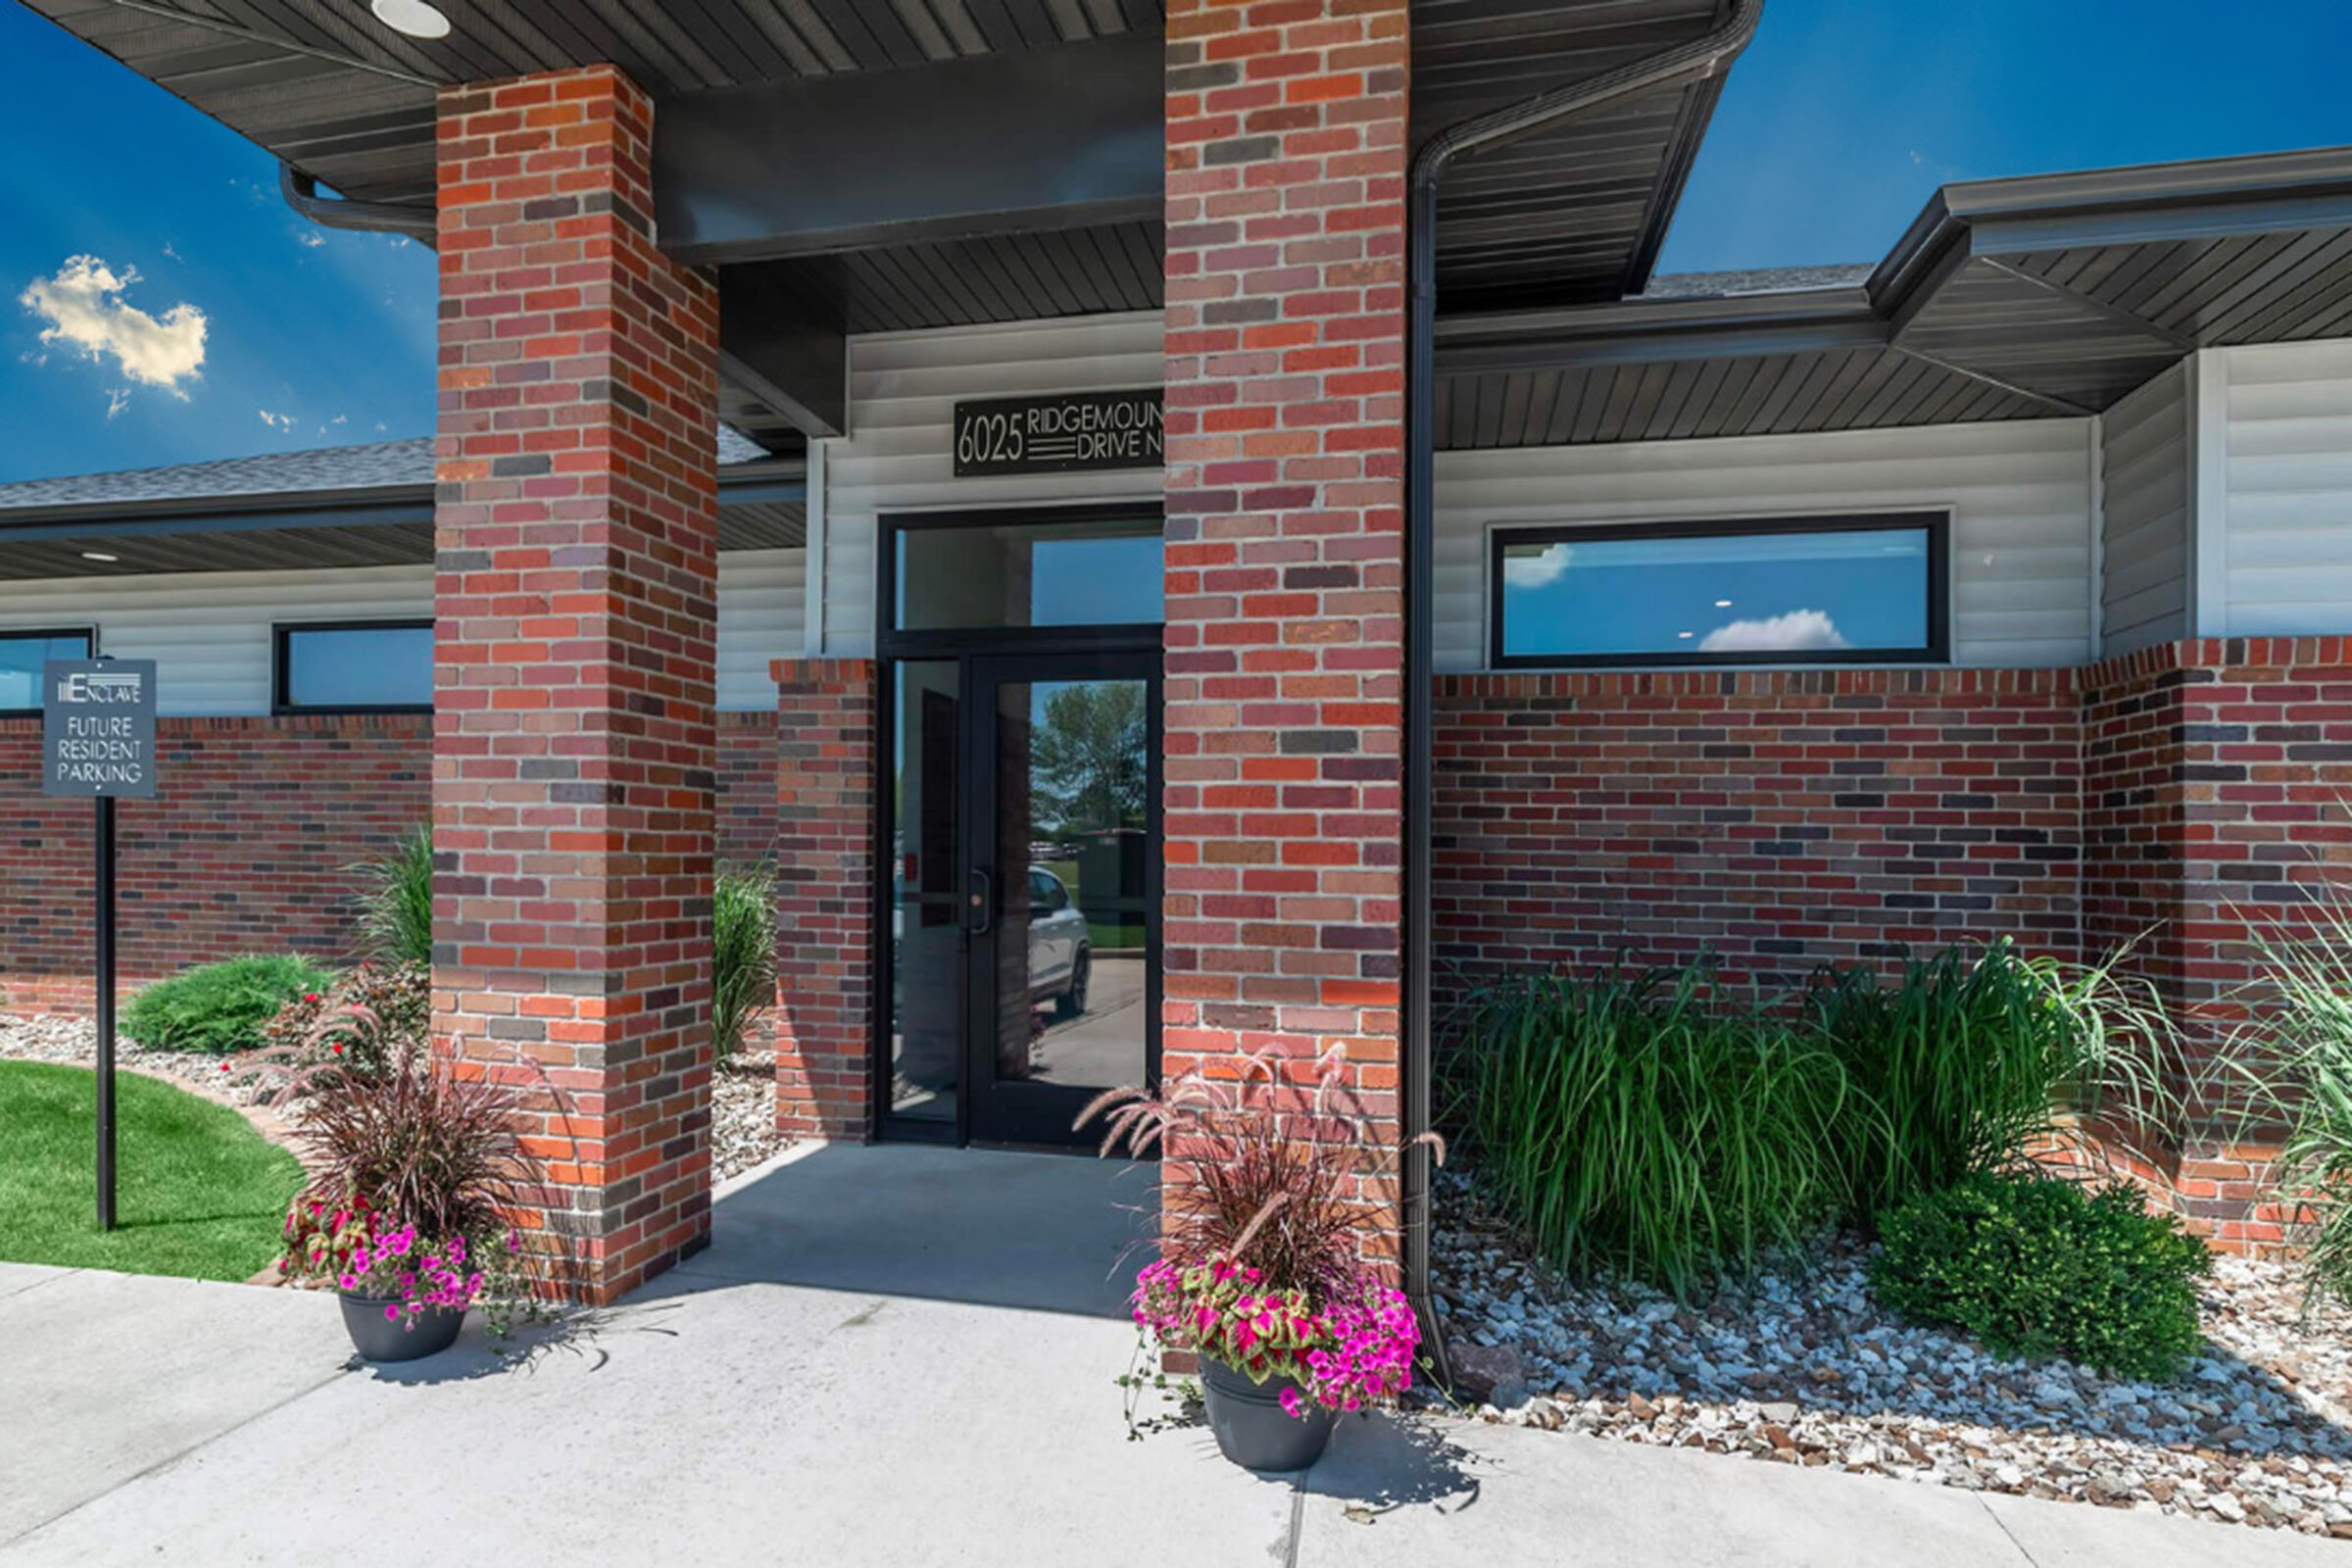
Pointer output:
x,y
890,1356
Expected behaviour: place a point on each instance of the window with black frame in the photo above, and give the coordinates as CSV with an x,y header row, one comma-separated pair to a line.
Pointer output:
x,y
361,667
22,656
1865,589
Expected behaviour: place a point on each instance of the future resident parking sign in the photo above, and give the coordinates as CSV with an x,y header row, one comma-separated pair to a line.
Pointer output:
x,y
98,728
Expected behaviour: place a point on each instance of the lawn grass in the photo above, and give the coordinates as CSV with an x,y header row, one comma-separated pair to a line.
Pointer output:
x,y
198,1193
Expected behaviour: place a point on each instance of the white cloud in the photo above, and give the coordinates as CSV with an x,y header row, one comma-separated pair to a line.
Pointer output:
x,y
1537,571
84,307
174,254
309,239
281,423
118,398
379,424
1794,632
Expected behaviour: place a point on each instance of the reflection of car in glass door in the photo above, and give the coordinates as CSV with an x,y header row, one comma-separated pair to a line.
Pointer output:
x,y
1059,959
1061,952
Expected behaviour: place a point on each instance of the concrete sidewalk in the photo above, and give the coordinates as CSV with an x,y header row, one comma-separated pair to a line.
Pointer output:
x,y
733,1414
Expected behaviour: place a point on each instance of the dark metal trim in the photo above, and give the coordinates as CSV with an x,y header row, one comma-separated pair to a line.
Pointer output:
x,y
272,40
301,192
967,648
1702,57
89,650
1052,138
1936,650
282,706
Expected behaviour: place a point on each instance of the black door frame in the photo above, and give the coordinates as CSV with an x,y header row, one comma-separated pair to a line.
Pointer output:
x,y
981,654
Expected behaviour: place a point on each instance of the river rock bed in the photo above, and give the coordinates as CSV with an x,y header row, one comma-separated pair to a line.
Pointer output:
x,y
1803,1368
743,1111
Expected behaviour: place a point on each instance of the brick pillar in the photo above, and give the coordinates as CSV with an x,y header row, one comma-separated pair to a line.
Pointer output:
x,y
826,795
574,591
1286,324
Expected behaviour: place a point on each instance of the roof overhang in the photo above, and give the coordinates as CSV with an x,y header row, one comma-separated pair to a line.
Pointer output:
x,y
760,507
880,164
2049,296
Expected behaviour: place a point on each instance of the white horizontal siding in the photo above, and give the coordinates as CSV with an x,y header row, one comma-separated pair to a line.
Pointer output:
x,y
763,606
2287,485
898,456
209,632
2144,451
2019,493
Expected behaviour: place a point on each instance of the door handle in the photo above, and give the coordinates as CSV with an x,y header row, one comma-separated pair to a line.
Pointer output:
x,y
980,900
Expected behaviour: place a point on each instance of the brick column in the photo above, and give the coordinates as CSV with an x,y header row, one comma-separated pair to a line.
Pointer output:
x,y
574,592
1286,323
826,795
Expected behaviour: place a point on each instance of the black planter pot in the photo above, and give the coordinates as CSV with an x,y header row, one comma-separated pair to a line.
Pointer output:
x,y
1253,1430
378,1338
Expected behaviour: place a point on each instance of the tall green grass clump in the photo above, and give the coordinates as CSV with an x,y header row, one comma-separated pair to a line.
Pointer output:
x,y
1637,1125
1973,1058
743,953
396,900
2285,1079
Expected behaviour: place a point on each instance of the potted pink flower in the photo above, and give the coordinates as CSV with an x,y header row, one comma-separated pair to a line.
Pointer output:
x,y
1262,1275
416,1164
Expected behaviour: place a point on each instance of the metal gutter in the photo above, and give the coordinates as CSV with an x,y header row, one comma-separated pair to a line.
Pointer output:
x,y
301,191
1702,57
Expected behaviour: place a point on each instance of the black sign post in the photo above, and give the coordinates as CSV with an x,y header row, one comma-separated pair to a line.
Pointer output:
x,y
98,739
1064,432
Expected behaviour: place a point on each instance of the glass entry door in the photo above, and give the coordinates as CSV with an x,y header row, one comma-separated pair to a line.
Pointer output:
x,y
1025,891
1063,899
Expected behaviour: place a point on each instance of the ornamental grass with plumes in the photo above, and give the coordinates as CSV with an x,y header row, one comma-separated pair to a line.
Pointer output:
x,y
1260,1264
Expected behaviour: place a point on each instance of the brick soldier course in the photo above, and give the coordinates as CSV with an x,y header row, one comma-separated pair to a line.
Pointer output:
x,y
576,598
1285,352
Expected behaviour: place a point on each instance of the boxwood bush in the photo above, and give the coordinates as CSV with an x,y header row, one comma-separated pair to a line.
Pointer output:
x,y
2035,1265
220,1007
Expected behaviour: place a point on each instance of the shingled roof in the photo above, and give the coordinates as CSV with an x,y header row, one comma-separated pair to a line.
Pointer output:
x,y
373,465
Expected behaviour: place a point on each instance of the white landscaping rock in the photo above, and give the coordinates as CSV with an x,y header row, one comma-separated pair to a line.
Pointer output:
x,y
1804,1368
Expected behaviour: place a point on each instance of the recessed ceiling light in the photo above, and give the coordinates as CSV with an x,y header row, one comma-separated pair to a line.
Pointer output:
x,y
412,17
98,555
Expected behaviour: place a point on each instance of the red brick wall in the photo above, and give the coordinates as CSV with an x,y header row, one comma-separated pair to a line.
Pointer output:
x,y
747,786
827,780
1778,820
575,597
247,848
1286,157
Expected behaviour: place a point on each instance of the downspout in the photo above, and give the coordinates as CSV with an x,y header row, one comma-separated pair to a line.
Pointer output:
x,y
1701,57
301,192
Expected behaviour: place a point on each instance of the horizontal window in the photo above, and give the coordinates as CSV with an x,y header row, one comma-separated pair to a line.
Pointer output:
x,y
1105,571
1788,591
22,656
377,666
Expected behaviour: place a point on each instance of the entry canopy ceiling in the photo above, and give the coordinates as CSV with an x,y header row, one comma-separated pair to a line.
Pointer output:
x,y
796,128
2013,299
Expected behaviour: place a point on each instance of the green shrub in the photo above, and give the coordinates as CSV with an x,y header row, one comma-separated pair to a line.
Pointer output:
x,y
743,953
220,1007
1637,1125
1975,1055
2036,1266
396,900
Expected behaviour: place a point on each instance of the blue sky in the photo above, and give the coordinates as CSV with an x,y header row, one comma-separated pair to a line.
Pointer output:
x,y
310,325
1841,119
1844,116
